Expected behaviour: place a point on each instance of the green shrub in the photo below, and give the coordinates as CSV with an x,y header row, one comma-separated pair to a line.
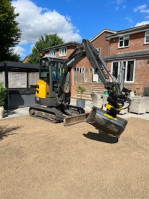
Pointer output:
x,y
80,90
2,94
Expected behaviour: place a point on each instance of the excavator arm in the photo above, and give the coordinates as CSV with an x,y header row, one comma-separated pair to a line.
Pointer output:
x,y
117,94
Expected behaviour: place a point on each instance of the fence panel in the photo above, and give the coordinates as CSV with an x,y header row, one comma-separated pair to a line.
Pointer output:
x,y
33,78
17,79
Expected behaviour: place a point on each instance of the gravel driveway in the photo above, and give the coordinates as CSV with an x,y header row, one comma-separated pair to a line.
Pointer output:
x,y
40,160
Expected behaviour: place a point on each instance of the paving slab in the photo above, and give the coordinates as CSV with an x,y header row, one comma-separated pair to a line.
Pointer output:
x,y
16,112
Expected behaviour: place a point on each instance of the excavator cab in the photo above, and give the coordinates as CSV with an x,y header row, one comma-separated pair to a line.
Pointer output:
x,y
49,81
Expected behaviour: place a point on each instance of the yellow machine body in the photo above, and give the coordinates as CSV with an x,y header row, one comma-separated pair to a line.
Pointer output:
x,y
42,89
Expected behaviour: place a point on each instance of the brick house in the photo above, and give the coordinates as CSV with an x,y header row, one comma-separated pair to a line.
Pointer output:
x,y
130,47
61,51
25,60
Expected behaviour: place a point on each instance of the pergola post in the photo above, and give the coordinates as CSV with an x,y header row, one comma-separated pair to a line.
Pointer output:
x,y
7,86
27,80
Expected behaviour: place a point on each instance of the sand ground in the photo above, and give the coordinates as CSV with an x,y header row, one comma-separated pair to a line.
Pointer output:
x,y
40,160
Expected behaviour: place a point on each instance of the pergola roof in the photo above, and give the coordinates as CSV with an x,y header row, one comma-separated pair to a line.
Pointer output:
x,y
18,66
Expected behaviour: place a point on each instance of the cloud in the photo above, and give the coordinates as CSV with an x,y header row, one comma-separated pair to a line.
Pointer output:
x,y
35,21
141,9
120,3
129,19
142,23
18,50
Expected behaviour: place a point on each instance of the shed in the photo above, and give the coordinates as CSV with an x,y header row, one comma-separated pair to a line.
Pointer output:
x,y
20,80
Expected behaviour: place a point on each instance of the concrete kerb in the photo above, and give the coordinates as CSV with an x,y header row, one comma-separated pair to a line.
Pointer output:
x,y
88,106
16,113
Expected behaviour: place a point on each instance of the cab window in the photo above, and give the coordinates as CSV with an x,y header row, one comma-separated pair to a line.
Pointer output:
x,y
56,75
44,70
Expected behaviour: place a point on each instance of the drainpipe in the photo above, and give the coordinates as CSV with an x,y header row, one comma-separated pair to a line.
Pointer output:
x,y
109,47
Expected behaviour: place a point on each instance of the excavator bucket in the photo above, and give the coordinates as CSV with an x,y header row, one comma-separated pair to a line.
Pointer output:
x,y
101,122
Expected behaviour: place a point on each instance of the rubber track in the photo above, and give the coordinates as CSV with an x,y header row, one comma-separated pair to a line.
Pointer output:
x,y
53,111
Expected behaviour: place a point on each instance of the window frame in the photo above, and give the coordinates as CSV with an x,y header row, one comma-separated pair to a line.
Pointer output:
x,y
145,37
53,53
119,61
125,36
62,55
80,70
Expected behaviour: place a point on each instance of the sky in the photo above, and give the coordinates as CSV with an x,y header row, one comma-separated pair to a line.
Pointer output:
x,y
74,20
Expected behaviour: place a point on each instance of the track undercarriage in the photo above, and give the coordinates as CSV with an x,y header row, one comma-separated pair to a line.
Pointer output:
x,y
55,114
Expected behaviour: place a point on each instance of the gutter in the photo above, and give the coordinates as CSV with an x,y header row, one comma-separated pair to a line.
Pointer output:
x,y
128,55
121,34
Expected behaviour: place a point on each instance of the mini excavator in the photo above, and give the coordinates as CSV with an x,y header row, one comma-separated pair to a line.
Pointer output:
x,y
53,92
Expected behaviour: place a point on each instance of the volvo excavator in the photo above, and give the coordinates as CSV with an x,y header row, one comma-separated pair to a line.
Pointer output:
x,y
53,92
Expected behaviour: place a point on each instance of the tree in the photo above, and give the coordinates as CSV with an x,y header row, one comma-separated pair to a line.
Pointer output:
x,y
15,57
44,42
9,31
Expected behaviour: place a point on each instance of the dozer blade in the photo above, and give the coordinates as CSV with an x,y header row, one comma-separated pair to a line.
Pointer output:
x,y
71,120
101,122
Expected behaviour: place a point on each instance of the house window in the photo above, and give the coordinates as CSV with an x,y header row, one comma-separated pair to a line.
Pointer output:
x,y
52,53
123,42
147,37
128,66
62,52
115,69
80,69
129,71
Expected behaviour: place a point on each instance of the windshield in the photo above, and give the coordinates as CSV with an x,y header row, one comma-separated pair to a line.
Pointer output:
x,y
51,70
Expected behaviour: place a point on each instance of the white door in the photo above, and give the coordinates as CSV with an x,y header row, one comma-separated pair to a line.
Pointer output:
x,y
95,77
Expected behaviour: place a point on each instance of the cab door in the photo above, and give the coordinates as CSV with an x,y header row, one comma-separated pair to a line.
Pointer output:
x,y
55,74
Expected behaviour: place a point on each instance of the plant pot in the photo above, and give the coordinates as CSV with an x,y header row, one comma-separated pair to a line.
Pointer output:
x,y
1,112
80,103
